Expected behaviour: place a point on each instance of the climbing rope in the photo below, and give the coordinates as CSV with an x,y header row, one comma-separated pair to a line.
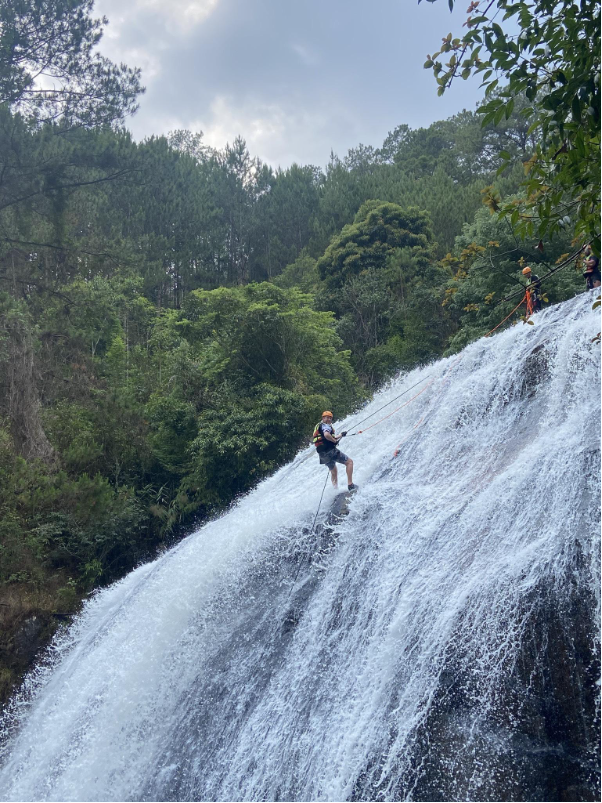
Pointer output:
x,y
319,504
523,299
295,464
526,297
401,406
420,420
564,264
407,438
310,533
359,432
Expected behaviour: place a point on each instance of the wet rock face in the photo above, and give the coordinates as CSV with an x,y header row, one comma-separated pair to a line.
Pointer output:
x,y
28,639
534,372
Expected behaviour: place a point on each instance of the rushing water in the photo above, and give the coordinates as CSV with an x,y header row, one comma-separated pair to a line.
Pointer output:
x,y
438,643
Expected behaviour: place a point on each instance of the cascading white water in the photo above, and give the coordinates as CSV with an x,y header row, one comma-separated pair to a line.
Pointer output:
x,y
440,646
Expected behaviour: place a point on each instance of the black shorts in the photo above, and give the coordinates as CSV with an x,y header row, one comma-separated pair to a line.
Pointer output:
x,y
331,457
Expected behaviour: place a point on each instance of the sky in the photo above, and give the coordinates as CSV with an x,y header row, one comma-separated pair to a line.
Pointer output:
x,y
296,79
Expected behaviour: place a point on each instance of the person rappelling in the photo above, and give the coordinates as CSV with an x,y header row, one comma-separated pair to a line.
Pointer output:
x,y
533,290
326,441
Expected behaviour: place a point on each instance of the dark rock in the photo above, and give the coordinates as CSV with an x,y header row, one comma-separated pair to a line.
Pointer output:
x,y
28,639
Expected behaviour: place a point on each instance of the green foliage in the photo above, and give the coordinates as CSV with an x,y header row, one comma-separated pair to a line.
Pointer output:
x,y
554,61
302,273
71,430
376,232
58,38
242,443
173,426
380,277
141,394
50,519
260,334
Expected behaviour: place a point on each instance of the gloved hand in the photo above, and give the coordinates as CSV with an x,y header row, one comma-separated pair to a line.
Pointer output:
x,y
342,435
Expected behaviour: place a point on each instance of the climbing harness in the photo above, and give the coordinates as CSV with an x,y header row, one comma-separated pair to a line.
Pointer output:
x,y
318,438
530,303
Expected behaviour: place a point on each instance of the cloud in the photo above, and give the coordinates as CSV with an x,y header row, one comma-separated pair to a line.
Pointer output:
x,y
294,79
309,58
277,134
183,13
179,17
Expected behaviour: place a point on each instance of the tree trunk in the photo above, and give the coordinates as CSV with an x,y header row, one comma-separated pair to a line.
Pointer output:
x,y
20,397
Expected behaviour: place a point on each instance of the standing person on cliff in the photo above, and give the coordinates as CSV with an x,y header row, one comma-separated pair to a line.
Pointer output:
x,y
591,272
326,442
533,288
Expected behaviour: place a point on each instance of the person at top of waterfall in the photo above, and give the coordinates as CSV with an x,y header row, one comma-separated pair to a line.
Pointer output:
x,y
533,286
591,273
326,442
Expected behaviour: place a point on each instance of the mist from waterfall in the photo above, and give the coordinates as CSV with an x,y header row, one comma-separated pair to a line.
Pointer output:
x,y
439,642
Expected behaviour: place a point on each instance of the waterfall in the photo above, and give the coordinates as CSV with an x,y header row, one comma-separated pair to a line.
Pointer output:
x,y
437,643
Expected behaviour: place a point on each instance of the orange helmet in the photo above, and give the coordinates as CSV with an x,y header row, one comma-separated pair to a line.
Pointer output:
x,y
526,271
326,412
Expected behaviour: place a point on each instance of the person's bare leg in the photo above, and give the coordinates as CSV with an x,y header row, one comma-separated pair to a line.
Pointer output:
x,y
349,469
334,477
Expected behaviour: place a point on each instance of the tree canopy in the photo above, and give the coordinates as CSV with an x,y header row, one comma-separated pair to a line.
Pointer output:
x,y
377,231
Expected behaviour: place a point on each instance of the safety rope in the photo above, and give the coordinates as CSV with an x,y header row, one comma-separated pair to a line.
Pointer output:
x,y
526,297
530,309
385,405
401,406
310,533
401,443
295,464
564,264
319,504
523,299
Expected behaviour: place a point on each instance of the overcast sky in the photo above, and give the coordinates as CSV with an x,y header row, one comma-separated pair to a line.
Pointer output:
x,y
295,78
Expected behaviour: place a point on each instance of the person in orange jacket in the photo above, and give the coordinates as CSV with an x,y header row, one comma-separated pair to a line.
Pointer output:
x,y
533,288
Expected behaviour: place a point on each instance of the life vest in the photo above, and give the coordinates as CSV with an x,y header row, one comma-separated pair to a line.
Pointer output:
x,y
318,438
534,284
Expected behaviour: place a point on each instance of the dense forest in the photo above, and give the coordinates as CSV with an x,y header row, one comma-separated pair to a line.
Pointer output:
x,y
174,318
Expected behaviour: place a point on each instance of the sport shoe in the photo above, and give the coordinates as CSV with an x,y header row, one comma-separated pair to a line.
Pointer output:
x,y
351,487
